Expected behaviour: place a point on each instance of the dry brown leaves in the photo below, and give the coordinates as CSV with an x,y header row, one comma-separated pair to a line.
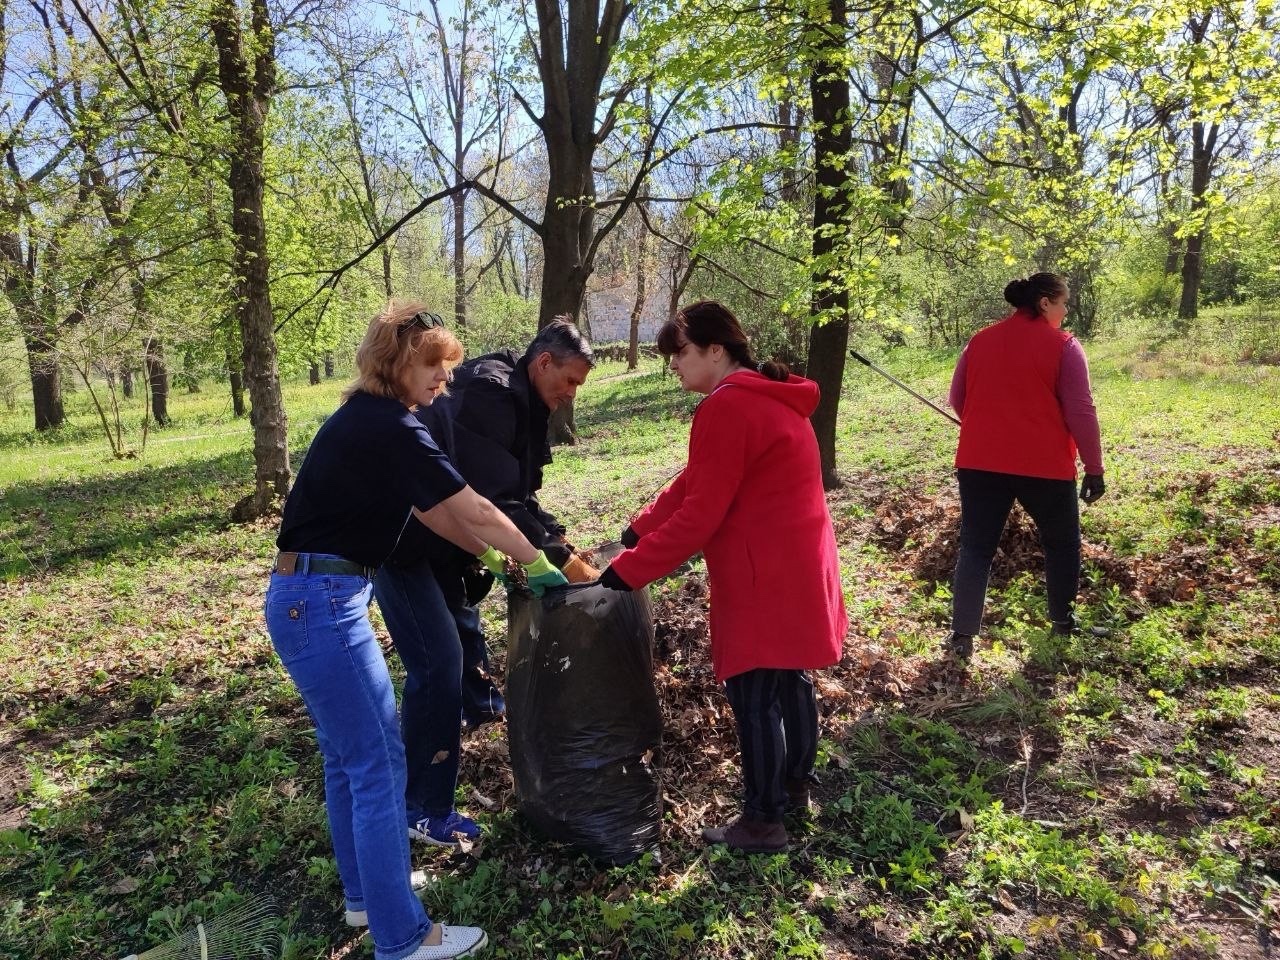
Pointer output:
x,y
923,532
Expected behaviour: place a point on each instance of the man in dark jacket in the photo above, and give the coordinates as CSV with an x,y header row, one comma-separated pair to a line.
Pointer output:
x,y
493,426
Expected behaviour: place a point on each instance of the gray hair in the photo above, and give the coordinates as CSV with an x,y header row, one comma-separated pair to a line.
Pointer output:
x,y
564,341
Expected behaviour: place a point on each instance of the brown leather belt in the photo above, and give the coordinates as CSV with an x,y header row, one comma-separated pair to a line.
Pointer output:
x,y
300,563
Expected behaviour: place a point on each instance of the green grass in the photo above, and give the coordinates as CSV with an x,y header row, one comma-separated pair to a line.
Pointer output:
x,y
1069,797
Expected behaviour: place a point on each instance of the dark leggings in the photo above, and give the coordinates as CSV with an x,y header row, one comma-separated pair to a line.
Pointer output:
x,y
985,501
777,716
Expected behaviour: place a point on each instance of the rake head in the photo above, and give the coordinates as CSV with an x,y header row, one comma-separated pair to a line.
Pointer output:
x,y
245,932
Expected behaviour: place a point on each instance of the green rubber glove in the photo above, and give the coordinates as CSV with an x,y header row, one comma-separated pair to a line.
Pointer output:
x,y
543,574
492,559
496,564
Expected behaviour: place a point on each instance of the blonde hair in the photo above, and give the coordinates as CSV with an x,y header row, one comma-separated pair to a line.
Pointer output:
x,y
394,343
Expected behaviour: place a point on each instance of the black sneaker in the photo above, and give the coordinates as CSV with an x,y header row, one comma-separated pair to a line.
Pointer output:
x,y
958,645
445,831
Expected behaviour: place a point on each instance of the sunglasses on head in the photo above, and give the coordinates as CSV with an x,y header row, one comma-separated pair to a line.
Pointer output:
x,y
424,319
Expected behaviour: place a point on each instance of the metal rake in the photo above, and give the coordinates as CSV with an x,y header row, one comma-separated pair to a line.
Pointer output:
x,y
246,932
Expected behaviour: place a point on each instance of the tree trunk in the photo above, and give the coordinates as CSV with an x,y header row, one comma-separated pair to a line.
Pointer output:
x,y
637,309
1202,144
829,338
568,228
576,42
46,383
157,381
460,259
126,381
1189,302
313,375
257,334
235,380
248,90
235,372
566,233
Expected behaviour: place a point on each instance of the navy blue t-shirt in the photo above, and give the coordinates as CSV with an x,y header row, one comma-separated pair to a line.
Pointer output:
x,y
369,464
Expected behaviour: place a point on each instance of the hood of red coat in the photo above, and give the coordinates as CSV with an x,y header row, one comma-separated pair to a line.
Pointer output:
x,y
799,394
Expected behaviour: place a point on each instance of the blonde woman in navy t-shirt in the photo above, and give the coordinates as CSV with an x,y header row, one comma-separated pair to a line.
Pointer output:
x,y
371,469
1021,388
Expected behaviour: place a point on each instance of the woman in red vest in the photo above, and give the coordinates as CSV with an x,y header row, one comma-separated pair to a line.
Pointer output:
x,y
751,500
1021,388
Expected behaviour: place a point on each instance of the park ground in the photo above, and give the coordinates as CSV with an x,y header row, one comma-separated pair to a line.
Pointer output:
x,y
1077,797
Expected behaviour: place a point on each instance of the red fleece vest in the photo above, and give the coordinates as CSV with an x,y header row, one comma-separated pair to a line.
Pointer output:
x,y
1012,420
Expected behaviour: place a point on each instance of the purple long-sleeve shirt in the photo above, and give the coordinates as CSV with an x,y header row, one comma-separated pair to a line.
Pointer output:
x,y
1074,395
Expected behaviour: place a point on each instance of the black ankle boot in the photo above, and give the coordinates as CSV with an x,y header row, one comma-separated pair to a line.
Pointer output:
x,y
1069,628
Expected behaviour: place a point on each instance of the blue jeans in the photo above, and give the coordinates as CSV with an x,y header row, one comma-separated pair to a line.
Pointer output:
x,y
423,631
319,626
985,501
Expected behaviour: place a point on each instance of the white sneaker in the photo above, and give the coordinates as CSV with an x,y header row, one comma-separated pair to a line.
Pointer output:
x,y
454,942
418,880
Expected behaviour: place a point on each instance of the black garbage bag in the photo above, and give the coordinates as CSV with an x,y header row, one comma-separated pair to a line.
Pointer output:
x,y
583,721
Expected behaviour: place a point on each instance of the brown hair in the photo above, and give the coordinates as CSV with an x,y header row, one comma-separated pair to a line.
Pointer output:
x,y
708,322
1026,294
401,335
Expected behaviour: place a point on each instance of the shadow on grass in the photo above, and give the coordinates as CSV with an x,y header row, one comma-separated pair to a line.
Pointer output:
x,y
54,525
146,812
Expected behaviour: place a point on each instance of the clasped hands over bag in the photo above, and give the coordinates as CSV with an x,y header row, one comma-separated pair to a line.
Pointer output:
x,y
542,573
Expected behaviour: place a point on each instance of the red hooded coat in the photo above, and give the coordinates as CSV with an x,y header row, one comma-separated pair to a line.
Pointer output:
x,y
751,499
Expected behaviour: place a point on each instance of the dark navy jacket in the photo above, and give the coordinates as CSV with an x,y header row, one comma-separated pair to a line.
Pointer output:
x,y
493,427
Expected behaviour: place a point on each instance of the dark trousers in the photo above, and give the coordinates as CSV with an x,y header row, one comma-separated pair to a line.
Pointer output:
x,y
422,629
985,501
777,717
481,699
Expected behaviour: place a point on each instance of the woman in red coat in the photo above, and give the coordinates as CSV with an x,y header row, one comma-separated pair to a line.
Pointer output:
x,y
751,500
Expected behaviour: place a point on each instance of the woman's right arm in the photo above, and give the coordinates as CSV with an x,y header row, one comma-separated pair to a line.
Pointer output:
x,y
472,522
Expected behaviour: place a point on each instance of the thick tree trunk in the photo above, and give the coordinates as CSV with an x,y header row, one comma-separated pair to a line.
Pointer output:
x,y
126,381
46,383
257,333
1203,139
575,44
568,227
564,272
313,374
248,88
39,335
157,380
829,338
